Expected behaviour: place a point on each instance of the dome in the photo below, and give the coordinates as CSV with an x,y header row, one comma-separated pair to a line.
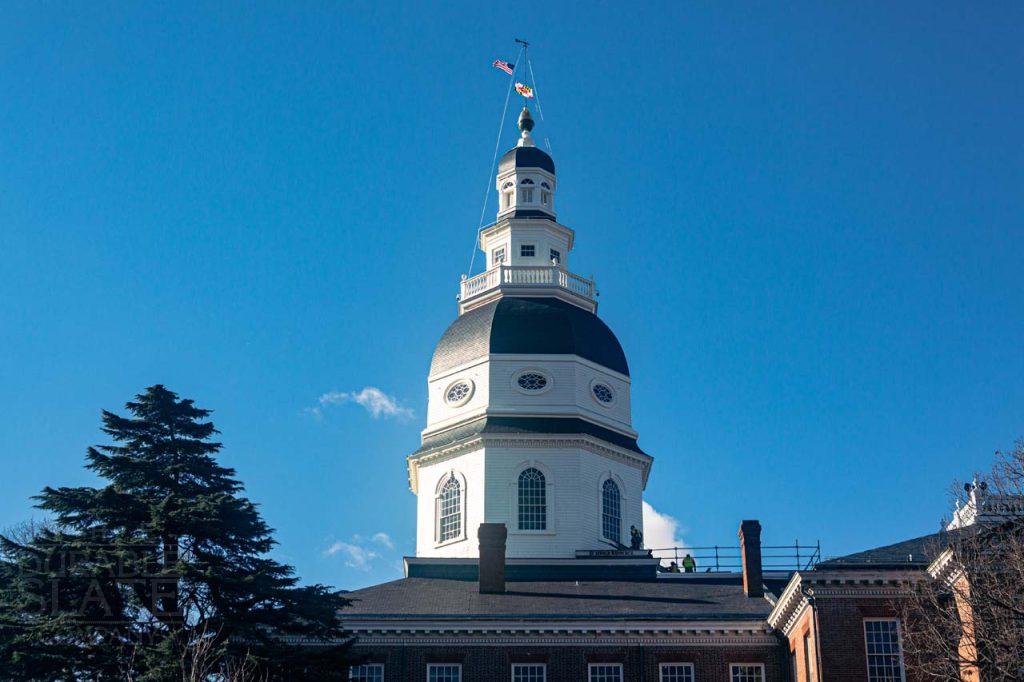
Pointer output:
x,y
526,157
534,326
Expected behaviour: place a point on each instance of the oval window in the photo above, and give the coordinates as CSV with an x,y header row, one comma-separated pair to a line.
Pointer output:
x,y
532,381
603,393
459,392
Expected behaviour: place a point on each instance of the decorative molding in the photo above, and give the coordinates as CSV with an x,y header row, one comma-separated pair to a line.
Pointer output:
x,y
583,441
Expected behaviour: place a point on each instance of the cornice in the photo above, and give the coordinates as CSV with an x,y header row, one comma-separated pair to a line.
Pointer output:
x,y
582,441
806,586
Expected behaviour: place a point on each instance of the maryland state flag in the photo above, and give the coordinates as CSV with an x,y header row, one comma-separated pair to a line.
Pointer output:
x,y
524,90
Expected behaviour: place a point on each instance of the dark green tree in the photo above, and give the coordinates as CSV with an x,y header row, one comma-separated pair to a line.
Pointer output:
x,y
163,572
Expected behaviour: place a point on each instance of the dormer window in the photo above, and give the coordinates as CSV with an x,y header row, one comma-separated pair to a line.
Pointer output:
x,y
507,191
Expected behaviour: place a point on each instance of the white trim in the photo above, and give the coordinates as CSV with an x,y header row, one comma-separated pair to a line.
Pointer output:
x,y
444,665
351,669
733,665
591,666
513,666
680,664
463,498
899,643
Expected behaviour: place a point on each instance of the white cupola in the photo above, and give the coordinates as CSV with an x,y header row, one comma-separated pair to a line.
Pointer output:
x,y
526,177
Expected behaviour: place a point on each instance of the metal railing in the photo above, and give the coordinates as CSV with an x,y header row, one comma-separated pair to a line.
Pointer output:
x,y
527,276
728,559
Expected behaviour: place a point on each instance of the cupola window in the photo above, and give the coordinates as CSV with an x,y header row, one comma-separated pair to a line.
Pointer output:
x,y
533,506
611,511
545,197
498,256
532,381
603,393
526,195
527,250
449,510
556,257
459,392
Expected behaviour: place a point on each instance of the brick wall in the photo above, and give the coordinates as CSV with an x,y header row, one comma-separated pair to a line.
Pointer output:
x,y
569,663
841,632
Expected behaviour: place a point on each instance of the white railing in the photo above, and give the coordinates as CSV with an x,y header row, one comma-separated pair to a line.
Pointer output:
x,y
527,276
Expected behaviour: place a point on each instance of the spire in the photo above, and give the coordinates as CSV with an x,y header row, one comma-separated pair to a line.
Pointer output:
x,y
525,125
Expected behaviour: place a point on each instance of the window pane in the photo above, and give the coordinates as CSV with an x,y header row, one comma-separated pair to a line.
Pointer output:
x,y
444,673
885,660
450,521
677,672
371,672
533,506
529,672
606,673
611,511
748,673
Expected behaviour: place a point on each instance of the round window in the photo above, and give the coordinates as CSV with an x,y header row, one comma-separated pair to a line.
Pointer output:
x,y
532,381
603,393
459,392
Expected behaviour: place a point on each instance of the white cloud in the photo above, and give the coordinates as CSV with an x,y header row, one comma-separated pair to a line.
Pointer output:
x,y
363,552
375,401
384,539
661,530
354,555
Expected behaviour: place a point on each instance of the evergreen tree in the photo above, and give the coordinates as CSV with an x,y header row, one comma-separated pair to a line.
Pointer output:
x,y
163,572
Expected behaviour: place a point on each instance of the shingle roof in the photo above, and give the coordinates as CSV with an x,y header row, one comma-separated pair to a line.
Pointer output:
x,y
689,598
513,425
546,326
526,157
910,554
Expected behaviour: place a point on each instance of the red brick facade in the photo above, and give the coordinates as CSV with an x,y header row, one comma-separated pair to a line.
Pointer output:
x,y
569,663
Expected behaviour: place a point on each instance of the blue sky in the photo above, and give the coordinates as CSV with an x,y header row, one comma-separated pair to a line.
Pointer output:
x,y
805,222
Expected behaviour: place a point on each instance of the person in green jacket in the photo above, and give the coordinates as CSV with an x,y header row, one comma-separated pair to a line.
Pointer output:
x,y
689,564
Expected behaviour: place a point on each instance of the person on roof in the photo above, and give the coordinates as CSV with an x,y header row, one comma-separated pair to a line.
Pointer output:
x,y
689,564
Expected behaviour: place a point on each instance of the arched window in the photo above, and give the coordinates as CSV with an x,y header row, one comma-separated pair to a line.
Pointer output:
x,y
611,511
526,181
533,501
449,510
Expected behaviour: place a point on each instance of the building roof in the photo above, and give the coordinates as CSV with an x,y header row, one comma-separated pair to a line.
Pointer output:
x,y
526,157
910,554
692,597
523,425
537,326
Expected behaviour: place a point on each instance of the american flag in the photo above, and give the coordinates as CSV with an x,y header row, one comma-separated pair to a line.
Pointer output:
x,y
504,66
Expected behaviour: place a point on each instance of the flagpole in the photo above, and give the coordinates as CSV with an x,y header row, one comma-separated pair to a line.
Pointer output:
x,y
497,146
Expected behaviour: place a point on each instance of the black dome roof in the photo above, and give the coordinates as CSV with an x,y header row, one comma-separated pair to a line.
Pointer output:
x,y
526,157
541,326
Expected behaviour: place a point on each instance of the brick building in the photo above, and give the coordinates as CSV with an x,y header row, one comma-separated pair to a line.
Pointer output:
x,y
529,480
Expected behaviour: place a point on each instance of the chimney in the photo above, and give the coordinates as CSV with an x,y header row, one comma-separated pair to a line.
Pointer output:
x,y
492,557
750,552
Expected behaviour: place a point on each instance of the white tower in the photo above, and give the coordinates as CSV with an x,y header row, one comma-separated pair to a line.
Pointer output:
x,y
528,422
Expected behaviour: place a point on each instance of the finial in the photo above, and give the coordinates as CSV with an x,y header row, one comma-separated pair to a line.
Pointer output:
x,y
526,125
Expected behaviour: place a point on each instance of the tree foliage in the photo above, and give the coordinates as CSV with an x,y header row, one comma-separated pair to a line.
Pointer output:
x,y
163,572
966,620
